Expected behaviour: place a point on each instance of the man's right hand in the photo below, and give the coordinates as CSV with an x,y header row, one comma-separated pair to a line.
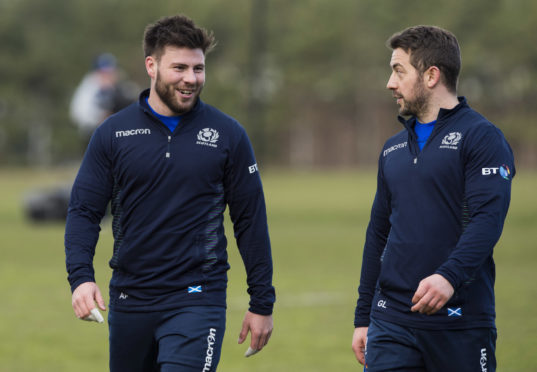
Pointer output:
x,y
84,298
359,341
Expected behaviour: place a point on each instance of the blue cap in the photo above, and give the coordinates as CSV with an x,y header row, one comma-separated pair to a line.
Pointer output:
x,y
105,61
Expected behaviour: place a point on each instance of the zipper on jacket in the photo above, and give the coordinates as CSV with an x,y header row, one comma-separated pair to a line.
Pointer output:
x,y
413,148
169,142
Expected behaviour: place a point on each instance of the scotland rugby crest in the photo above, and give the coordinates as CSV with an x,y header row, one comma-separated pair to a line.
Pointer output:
x,y
451,141
208,137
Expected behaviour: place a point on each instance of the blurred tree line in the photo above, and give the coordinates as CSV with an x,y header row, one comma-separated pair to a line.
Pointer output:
x,y
306,78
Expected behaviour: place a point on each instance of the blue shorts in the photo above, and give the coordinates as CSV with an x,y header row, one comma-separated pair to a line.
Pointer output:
x,y
391,347
187,339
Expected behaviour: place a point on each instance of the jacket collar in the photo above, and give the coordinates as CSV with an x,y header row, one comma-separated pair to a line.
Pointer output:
x,y
443,114
142,103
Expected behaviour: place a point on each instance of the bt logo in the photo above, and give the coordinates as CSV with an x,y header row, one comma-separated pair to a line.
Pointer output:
x,y
503,171
253,168
489,171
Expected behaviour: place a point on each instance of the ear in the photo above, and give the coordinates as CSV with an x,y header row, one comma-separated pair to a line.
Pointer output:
x,y
432,76
151,66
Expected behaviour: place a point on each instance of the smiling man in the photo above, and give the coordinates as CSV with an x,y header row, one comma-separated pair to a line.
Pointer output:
x,y
426,293
169,165
177,78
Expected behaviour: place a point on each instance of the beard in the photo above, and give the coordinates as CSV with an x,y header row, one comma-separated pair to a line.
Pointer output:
x,y
167,94
419,104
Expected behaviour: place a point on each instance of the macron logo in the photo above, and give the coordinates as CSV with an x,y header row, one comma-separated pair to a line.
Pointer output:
x,y
395,147
132,132
483,360
211,339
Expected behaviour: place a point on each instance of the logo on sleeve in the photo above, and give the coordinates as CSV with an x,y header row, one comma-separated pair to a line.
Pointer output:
x,y
451,141
253,168
503,171
208,137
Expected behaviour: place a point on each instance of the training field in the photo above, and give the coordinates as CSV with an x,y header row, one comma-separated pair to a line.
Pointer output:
x,y
317,224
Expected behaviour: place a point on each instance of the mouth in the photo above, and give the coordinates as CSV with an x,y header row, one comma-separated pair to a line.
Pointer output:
x,y
398,98
186,93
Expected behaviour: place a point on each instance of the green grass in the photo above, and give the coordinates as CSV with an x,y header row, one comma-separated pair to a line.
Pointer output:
x,y
317,224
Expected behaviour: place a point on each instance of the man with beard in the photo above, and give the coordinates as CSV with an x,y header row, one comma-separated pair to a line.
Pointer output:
x,y
426,293
169,164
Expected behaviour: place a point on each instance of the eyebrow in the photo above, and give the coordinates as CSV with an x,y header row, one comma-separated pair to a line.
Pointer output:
x,y
182,64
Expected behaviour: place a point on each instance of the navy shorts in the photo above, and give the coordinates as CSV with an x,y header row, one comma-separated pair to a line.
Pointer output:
x,y
187,339
391,347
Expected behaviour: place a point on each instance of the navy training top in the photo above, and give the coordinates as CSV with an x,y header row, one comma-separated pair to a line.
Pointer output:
x,y
168,193
439,211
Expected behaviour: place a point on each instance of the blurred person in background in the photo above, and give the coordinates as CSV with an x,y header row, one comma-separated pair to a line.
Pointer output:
x,y
426,293
102,92
170,164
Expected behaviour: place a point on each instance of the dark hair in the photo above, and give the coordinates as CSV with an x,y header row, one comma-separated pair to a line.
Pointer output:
x,y
179,31
431,46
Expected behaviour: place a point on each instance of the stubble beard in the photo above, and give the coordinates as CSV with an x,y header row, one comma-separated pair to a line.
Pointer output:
x,y
166,93
417,106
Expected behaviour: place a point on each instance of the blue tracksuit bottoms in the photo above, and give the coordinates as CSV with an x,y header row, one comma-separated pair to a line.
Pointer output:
x,y
186,339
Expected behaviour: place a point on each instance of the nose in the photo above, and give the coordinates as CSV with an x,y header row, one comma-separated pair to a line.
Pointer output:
x,y
189,76
391,82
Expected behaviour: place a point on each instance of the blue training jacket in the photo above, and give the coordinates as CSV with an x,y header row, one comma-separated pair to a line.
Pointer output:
x,y
168,193
440,211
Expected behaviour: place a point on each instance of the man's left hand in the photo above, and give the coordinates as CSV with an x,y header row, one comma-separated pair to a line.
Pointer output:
x,y
432,294
260,328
